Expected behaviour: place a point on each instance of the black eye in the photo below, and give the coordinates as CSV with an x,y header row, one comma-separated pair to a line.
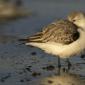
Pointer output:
x,y
74,20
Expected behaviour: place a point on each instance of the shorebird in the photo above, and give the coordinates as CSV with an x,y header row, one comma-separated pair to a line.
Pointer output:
x,y
60,38
9,11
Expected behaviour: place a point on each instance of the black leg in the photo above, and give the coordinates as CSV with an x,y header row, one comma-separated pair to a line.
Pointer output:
x,y
69,64
59,64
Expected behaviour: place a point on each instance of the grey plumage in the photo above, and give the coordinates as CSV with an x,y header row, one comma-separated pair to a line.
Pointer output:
x,y
61,31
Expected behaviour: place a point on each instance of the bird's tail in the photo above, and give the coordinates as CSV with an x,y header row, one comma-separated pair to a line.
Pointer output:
x,y
35,38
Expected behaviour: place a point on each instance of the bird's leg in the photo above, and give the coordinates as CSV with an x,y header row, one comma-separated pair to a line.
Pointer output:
x,y
59,64
69,64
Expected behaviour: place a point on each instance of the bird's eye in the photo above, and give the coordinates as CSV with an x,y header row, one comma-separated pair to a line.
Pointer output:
x,y
74,20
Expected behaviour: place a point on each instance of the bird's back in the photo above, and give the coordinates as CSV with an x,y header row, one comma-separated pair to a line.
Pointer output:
x,y
61,31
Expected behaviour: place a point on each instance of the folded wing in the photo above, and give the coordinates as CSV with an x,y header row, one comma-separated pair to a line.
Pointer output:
x,y
61,31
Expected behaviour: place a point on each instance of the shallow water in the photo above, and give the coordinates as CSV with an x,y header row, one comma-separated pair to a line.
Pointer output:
x,y
23,65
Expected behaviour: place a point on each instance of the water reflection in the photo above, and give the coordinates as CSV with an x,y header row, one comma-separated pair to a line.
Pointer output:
x,y
63,79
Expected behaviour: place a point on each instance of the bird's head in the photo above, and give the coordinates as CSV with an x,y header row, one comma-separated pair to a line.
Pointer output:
x,y
77,18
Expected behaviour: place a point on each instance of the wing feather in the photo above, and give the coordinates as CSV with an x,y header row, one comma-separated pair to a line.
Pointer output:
x,y
61,31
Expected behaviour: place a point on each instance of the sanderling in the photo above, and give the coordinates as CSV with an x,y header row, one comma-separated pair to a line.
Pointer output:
x,y
12,11
60,38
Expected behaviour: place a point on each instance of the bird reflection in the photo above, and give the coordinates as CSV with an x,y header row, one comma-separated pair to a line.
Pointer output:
x,y
63,79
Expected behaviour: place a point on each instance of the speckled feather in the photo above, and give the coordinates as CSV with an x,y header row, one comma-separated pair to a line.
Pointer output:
x,y
61,31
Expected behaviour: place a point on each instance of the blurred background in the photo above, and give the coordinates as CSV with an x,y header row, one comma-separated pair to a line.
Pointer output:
x,y
22,65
